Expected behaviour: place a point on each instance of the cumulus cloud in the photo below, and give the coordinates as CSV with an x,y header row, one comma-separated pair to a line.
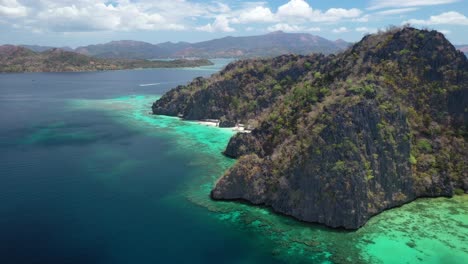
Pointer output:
x,y
447,18
125,15
301,10
295,9
291,16
221,24
118,15
101,15
255,14
77,18
379,4
11,8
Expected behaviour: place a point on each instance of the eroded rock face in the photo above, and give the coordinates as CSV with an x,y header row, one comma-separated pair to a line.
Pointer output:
x,y
242,144
248,181
349,173
237,93
352,135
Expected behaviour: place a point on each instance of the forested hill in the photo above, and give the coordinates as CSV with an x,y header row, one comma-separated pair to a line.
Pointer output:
x,y
20,59
340,138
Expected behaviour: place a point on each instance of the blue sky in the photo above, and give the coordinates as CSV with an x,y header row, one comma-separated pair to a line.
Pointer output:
x,y
81,22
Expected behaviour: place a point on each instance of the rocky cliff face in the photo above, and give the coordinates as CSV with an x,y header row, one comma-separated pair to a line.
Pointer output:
x,y
240,92
342,138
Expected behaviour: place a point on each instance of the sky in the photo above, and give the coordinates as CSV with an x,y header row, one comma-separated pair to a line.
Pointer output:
x,y
81,22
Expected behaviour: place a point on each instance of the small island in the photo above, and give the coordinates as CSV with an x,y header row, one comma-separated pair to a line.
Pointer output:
x,y
20,59
338,139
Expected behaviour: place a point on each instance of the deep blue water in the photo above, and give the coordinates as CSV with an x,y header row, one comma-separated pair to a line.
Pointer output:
x,y
79,187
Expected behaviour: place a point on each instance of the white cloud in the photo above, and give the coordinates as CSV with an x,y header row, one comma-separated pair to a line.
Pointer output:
x,y
300,10
11,8
397,11
447,18
221,24
117,15
379,4
77,18
340,30
295,9
126,15
445,32
256,14
86,16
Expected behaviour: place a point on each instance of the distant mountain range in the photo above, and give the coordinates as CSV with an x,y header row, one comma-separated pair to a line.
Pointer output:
x,y
21,59
268,45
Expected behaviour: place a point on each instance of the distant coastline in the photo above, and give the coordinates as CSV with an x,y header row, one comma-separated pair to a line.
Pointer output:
x,y
16,59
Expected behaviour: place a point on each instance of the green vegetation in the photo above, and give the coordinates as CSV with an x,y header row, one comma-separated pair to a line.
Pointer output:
x,y
404,52
424,145
18,59
366,90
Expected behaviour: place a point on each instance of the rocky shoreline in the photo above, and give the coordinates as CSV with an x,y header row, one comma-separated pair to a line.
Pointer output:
x,y
338,139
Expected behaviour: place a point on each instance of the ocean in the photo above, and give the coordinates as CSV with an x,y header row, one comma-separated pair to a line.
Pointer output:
x,y
88,175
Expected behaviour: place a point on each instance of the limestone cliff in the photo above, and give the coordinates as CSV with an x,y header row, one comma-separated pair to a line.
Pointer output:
x,y
338,139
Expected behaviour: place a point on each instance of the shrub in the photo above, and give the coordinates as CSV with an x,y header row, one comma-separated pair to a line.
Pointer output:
x,y
459,191
404,52
340,166
366,90
424,145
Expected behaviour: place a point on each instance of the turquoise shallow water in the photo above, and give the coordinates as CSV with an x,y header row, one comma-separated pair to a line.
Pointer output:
x,y
425,231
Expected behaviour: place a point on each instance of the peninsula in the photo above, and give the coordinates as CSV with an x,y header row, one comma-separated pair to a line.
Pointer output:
x,y
20,59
